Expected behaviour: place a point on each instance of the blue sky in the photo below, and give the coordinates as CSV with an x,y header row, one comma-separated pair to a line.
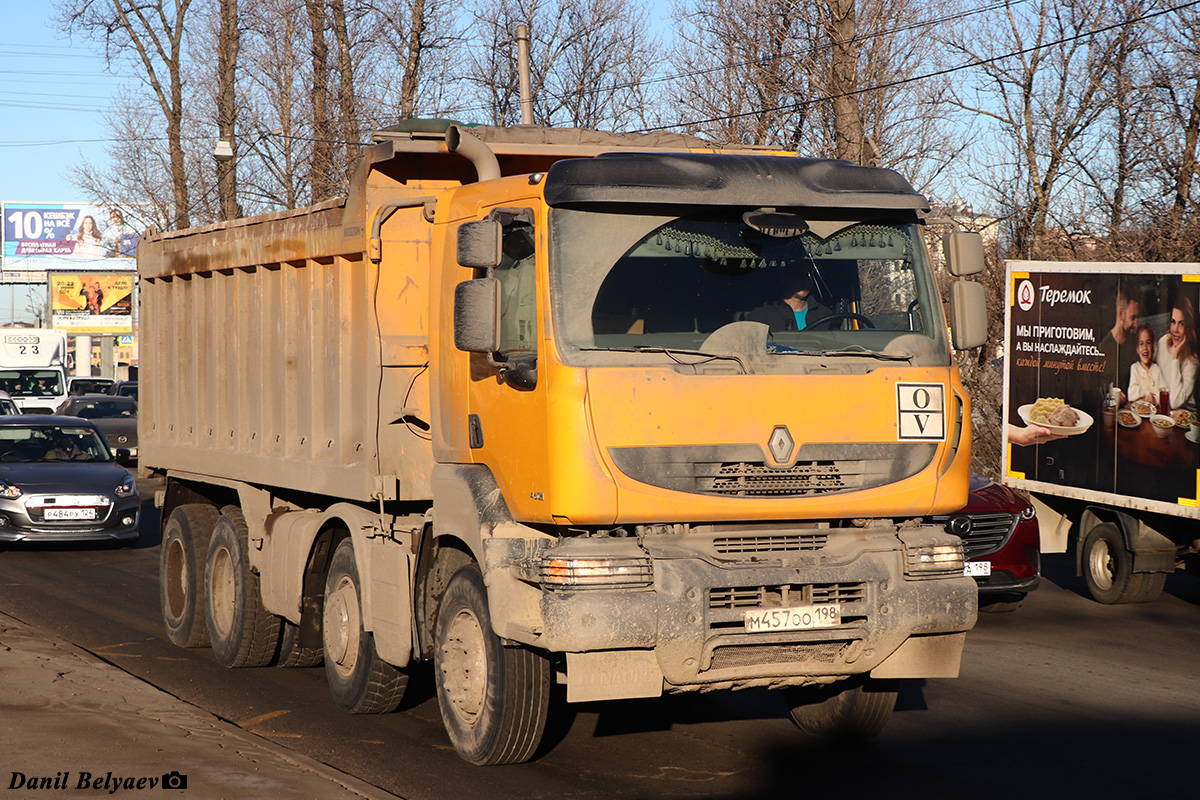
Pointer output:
x,y
53,95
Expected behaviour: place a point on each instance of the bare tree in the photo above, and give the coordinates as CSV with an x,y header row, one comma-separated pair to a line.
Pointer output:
x,y
588,61
227,53
151,33
1042,69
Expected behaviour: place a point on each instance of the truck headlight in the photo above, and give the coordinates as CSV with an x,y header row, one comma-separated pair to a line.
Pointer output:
x,y
932,556
616,572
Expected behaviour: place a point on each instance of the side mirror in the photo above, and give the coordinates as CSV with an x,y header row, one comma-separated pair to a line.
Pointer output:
x,y
479,243
968,315
477,315
964,253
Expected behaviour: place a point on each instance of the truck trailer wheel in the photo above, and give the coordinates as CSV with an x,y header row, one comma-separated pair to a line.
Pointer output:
x,y
242,632
183,554
848,710
1108,570
359,680
494,699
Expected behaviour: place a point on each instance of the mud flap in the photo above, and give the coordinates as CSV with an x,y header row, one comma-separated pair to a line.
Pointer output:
x,y
935,656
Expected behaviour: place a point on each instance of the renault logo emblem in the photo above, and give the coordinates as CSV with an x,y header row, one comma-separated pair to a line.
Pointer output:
x,y
781,445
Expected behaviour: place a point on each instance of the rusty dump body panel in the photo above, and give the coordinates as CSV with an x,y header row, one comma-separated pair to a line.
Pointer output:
x,y
262,339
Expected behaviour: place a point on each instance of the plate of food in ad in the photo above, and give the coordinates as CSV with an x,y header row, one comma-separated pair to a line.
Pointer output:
x,y
1057,415
1144,408
1127,418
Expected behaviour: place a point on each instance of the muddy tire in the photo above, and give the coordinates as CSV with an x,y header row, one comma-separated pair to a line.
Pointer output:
x,y
291,653
359,680
845,711
242,632
494,699
181,587
1108,570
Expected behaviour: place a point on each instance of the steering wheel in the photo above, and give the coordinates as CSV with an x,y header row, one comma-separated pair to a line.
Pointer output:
x,y
832,318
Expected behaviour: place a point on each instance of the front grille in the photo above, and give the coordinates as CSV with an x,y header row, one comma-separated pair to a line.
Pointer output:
x,y
785,595
989,532
743,470
744,479
750,655
783,543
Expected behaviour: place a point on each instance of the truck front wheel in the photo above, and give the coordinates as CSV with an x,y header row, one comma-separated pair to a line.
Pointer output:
x,y
1108,570
359,680
848,710
494,699
183,553
243,633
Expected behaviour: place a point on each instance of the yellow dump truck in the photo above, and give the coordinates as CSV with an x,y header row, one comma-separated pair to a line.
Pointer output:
x,y
537,406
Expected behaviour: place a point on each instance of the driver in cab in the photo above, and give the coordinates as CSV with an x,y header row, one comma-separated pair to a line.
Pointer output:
x,y
797,310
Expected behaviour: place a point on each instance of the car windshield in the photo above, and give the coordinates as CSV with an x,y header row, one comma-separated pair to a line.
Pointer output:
x,y
89,386
32,382
49,443
102,409
632,283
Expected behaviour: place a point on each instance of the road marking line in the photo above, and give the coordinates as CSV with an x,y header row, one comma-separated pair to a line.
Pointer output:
x,y
262,718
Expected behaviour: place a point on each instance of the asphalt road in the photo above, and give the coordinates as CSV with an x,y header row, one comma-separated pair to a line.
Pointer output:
x,y
1062,698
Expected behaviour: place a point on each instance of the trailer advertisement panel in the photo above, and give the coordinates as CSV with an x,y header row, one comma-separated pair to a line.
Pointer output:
x,y
1104,356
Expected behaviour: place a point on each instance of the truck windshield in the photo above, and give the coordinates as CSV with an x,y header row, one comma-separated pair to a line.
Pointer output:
x,y
663,285
32,382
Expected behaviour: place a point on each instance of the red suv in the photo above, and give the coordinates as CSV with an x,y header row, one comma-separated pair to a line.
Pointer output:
x,y
999,529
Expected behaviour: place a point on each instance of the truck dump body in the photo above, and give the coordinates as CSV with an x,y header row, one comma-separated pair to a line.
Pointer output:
x,y
528,401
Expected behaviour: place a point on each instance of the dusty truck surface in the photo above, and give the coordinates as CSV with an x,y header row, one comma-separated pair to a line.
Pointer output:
x,y
506,407
1110,349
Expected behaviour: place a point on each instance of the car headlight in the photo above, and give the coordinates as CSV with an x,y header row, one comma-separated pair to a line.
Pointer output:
x,y
126,488
9,491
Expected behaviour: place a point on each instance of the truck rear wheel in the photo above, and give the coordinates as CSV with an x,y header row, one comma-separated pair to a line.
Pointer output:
x,y
848,710
1108,570
494,699
291,653
184,552
242,632
359,680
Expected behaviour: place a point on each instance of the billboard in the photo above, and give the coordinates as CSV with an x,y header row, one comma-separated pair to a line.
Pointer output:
x,y
91,303
42,237
1116,344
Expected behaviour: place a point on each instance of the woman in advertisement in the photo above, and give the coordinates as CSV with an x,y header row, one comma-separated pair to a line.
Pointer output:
x,y
87,239
1177,353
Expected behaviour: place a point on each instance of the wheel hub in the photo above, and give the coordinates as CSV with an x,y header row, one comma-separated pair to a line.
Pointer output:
x,y
464,666
1101,565
222,591
342,626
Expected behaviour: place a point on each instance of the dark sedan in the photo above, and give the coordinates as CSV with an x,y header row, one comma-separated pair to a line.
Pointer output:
x,y
116,417
1000,535
59,482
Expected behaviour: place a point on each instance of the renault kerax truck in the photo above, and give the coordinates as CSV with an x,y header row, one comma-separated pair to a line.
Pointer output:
x,y
510,406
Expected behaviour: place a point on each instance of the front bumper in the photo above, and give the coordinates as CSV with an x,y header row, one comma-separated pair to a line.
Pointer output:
x,y
119,525
693,615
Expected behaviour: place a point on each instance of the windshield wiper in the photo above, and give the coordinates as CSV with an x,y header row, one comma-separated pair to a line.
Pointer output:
x,y
672,351
855,350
